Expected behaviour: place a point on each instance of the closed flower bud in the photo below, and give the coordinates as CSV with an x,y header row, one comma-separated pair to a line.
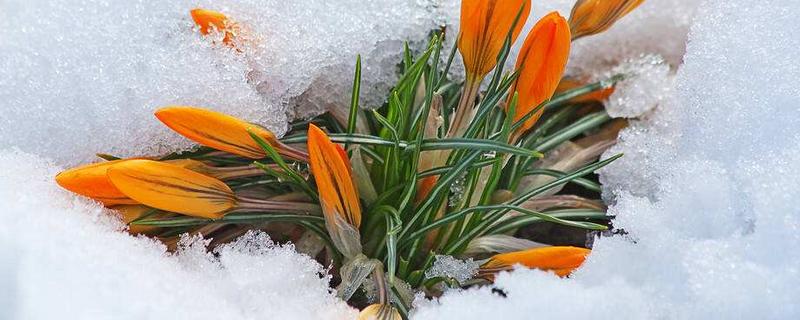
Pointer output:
x,y
222,132
172,188
540,64
590,17
560,260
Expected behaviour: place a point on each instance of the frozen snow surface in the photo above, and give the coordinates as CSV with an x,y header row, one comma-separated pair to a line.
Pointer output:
x,y
707,190
61,256
80,77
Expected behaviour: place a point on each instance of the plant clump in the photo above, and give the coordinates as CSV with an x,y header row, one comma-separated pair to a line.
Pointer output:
x,y
445,169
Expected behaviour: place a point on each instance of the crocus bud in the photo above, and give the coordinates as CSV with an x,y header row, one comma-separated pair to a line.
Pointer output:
x,y
337,192
379,312
222,132
590,17
484,27
172,188
560,260
540,64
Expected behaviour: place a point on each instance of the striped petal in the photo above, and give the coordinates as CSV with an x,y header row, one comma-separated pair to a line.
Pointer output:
x,y
590,17
332,173
484,27
91,181
561,260
172,188
541,63
217,130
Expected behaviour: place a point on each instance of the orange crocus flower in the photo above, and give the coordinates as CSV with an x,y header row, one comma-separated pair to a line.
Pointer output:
x,y
590,17
338,195
560,260
484,27
209,20
172,188
540,64
222,132
91,181
332,173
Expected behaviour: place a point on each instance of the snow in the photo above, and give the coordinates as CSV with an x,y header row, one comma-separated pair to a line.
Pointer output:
x,y
707,191
67,256
90,73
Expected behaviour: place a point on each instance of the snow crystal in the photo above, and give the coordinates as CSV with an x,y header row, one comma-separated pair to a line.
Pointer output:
x,y
81,77
60,254
648,82
707,192
452,268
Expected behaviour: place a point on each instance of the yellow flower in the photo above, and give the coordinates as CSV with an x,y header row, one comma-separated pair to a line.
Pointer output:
x,y
208,20
91,181
590,17
484,27
379,312
541,63
560,260
172,188
222,132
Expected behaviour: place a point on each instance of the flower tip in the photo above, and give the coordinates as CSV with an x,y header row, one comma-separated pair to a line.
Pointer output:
x,y
205,19
379,312
91,181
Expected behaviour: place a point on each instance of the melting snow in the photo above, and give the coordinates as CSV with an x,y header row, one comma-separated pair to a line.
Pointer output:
x,y
707,189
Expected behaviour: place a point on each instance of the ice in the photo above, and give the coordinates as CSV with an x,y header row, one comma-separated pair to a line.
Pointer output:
x,y
707,192
452,268
647,83
65,256
80,77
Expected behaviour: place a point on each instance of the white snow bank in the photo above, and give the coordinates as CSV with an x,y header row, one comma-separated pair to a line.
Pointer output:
x,y
707,189
65,257
80,77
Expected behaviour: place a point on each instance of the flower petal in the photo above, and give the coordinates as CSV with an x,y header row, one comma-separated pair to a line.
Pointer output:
x,y
217,130
209,19
91,181
541,63
379,312
172,188
484,27
590,17
332,173
561,260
